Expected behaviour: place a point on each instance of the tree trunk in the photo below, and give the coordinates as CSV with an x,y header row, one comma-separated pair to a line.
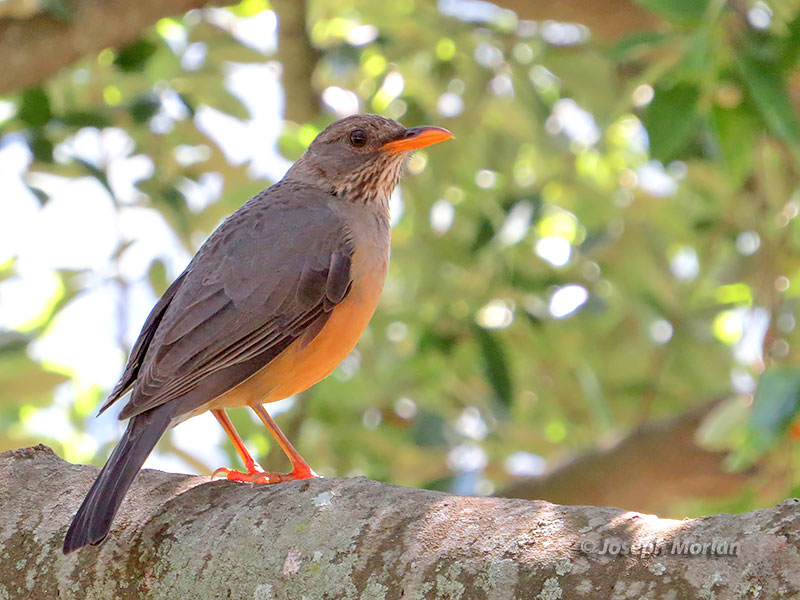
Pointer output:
x,y
298,59
178,536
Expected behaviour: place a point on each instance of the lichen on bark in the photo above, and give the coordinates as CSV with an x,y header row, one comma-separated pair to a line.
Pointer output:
x,y
179,536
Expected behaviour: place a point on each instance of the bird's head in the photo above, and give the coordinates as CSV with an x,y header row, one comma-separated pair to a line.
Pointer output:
x,y
359,158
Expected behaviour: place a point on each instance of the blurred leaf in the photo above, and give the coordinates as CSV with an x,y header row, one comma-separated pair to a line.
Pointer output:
x,y
60,9
157,274
134,57
249,8
23,381
434,341
704,224
484,234
188,103
634,43
771,96
776,401
671,119
34,107
698,61
735,130
684,12
41,147
289,143
144,107
775,406
12,341
172,204
789,51
495,365
429,430
98,174
80,119
7,271
441,484
534,320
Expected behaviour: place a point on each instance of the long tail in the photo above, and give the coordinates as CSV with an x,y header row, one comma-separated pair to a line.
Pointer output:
x,y
93,519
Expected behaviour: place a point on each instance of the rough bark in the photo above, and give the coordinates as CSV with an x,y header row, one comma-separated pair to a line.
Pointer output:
x,y
179,536
37,48
626,474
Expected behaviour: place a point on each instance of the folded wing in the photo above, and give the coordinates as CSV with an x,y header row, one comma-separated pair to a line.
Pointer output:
x,y
269,274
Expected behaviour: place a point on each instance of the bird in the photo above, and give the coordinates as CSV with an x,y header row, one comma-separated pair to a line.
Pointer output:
x,y
273,300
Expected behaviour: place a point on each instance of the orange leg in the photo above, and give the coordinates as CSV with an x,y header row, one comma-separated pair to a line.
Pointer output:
x,y
300,468
252,466
255,474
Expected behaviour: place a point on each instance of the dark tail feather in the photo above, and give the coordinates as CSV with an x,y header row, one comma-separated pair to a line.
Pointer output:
x,y
93,519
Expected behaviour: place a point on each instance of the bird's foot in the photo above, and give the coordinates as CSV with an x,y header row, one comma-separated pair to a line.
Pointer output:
x,y
265,477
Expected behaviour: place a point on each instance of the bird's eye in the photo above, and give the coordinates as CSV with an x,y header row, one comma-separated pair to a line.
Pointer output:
x,y
358,138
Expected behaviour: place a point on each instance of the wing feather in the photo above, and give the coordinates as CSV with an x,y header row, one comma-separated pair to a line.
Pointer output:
x,y
249,293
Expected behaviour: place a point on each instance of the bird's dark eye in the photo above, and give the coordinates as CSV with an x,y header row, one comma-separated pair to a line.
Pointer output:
x,y
358,138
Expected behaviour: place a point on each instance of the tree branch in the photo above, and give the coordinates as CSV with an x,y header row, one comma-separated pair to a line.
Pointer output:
x,y
608,19
652,470
36,49
298,59
180,537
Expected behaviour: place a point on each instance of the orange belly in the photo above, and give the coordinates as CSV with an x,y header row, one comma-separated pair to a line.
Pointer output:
x,y
298,368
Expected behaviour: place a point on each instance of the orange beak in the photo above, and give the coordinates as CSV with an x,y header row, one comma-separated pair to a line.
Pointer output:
x,y
416,138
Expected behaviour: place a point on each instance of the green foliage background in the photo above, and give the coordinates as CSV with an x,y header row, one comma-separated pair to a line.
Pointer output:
x,y
464,327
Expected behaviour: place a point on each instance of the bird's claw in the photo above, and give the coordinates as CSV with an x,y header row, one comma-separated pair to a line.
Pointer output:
x,y
265,477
